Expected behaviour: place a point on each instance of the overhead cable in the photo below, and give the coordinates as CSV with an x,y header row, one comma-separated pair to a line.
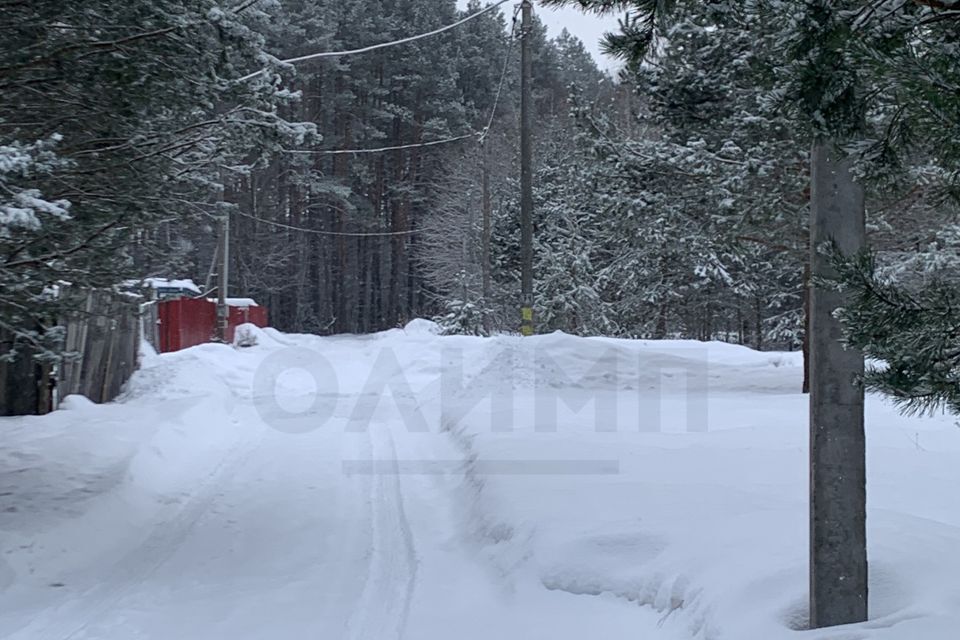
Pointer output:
x,y
327,233
376,47
415,145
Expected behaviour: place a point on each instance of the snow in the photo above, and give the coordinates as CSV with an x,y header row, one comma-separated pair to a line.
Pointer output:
x,y
164,283
237,302
409,485
419,326
25,205
21,206
241,302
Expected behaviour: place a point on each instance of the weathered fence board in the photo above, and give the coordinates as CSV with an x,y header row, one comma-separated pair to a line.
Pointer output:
x,y
100,355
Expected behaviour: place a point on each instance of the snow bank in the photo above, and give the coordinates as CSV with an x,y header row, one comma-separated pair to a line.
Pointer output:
x,y
78,485
250,335
708,526
420,326
573,488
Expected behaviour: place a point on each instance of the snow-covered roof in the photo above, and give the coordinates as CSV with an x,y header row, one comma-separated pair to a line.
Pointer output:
x,y
164,283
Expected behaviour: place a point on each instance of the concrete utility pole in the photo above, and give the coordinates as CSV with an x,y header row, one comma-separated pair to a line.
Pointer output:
x,y
526,172
223,277
838,545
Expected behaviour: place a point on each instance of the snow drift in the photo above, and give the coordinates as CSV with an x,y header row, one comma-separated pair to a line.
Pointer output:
x,y
554,487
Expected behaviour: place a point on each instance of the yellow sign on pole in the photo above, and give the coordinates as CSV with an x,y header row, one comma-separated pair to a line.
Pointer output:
x,y
526,327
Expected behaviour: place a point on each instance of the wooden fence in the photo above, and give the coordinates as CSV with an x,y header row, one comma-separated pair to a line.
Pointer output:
x,y
102,339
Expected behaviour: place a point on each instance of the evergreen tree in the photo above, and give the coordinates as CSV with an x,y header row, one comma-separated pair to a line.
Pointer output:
x,y
114,119
355,266
910,328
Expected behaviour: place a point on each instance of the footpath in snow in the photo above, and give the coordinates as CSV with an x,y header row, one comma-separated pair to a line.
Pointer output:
x,y
407,485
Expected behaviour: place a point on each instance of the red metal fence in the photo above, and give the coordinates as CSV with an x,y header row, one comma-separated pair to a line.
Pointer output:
x,y
187,322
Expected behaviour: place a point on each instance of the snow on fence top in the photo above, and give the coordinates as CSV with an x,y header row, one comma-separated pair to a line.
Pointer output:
x,y
238,302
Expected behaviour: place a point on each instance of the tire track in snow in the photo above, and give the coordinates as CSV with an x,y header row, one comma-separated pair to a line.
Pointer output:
x,y
70,619
383,608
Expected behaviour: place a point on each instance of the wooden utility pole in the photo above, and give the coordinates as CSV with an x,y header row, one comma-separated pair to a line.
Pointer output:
x,y
838,549
526,171
223,277
486,224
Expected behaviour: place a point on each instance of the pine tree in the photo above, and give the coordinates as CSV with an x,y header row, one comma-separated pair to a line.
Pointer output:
x,y
110,126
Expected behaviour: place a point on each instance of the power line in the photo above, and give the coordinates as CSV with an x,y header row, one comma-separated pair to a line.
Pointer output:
x,y
339,54
503,76
432,143
331,152
327,233
482,135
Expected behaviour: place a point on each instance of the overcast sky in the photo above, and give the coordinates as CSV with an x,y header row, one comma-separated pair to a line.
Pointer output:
x,y
587,27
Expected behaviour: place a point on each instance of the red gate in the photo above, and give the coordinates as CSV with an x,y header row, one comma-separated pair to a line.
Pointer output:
x,y
187,322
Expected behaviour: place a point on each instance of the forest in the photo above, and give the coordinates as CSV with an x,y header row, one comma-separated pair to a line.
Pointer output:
x,y
763,195
671,199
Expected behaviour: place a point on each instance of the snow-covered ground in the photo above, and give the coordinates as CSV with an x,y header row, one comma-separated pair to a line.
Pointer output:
x,y
406,485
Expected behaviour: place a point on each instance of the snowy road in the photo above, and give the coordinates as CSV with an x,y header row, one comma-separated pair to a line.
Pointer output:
x,y
212,504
